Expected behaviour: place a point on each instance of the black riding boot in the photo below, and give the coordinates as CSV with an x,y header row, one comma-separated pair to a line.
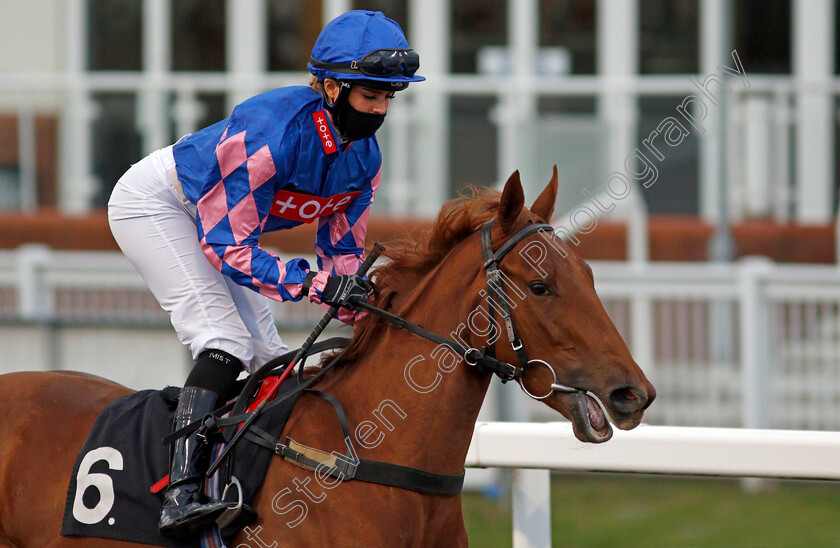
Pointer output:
x,y
183,513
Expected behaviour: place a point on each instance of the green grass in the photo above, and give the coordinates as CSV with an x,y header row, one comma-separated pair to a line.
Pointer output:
x,y
618,511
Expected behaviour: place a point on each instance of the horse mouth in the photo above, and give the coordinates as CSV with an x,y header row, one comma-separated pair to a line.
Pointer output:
x,y
589,421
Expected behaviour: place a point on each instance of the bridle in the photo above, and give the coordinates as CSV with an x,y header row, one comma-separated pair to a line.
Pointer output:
x,y
494,288
497,300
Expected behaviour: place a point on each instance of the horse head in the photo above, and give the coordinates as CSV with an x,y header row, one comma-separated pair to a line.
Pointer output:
x,y
579,365
493,275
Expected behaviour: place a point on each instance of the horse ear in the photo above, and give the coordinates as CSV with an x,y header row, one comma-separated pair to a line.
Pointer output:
x,y
544,205
512,202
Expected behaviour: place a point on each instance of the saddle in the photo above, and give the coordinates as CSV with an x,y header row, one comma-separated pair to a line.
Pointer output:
x,y
114,488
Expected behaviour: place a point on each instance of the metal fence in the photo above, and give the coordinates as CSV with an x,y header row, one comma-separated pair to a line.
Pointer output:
x,y
40,285
751,344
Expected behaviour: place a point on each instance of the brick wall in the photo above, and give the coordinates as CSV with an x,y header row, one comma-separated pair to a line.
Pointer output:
x,y
671,238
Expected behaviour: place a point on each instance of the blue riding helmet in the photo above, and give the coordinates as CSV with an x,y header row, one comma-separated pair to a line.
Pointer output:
x,y
365,45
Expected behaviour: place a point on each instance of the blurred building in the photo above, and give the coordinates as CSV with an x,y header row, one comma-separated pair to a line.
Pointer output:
x,y
682,129
715,111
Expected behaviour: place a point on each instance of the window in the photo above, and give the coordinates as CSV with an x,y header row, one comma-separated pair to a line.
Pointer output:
x,y
116,142
668,39
472,138
476,24
114,35
676,189
9,188
198,35
763,35
393,9
570,25
293,27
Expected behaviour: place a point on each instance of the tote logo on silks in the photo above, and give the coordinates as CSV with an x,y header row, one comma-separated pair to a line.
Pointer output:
x,y
305,207
323,128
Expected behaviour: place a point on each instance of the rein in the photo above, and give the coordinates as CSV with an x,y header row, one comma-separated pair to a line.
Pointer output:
x,y
472,356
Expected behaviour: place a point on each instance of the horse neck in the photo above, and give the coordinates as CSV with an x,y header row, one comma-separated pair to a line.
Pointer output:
x,y
406,386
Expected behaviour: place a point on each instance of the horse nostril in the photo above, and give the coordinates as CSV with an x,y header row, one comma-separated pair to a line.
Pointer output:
x,y
628,400
651,395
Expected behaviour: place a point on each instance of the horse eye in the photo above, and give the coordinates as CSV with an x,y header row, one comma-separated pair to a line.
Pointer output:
x,y
538,288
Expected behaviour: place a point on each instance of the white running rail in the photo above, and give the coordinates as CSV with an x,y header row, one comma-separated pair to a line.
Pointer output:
x,y
730,452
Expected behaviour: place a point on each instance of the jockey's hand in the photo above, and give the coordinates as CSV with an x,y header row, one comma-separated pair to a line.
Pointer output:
x,y
345,291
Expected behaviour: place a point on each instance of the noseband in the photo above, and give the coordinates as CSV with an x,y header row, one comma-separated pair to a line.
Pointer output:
x,y
485,358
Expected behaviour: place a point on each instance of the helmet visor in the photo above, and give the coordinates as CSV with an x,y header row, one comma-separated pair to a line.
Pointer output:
x,y
384,63
381,63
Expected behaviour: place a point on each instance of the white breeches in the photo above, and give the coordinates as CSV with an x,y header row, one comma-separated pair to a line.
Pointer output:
x,y
156,229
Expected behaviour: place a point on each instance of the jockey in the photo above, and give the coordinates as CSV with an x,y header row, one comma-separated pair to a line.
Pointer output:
x,y
189,217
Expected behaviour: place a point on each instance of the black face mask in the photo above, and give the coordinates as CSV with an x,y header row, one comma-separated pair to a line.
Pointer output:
x,y
352,125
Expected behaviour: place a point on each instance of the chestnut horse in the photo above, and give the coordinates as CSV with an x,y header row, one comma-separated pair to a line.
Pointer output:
x,y
405,403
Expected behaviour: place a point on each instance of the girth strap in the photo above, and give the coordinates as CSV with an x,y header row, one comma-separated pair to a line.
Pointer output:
x,y
413,479
370,471
349,467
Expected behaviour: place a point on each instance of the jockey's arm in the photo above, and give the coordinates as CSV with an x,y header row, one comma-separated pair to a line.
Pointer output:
x,y
340,243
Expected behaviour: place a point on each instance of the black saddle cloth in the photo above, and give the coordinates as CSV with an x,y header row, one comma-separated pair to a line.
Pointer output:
x,y
109,493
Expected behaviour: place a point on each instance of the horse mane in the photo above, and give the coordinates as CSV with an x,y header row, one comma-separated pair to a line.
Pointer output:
x,y
409,259
458,218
